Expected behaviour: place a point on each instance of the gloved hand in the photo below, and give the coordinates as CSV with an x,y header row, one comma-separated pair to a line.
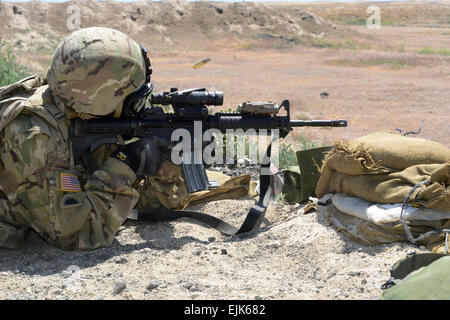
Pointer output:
x,y
145,156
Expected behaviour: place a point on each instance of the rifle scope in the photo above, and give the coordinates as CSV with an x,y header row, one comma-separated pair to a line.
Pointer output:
x,y
193,97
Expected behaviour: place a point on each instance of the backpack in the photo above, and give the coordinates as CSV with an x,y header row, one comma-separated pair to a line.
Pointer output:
x,y
26,95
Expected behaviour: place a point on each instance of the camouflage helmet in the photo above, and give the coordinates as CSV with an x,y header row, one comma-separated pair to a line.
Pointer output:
x,y
94,69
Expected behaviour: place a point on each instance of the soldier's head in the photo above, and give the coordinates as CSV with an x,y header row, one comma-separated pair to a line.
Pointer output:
x,y
95,71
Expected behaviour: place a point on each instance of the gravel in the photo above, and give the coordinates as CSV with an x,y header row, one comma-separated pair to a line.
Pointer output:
x,y
119,287
292,256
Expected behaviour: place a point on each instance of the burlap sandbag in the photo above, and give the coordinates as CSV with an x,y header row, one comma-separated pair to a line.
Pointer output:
x,y
167,189
378,153
230,188
395,187
370,234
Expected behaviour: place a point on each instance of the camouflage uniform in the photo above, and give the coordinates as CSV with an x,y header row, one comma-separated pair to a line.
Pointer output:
x,y
40,187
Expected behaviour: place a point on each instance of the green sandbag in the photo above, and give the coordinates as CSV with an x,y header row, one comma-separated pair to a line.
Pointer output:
x,y
420,277
310,161
291,186
300,181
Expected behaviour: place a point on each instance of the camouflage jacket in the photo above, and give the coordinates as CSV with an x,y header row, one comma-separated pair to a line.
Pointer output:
x,y
41,190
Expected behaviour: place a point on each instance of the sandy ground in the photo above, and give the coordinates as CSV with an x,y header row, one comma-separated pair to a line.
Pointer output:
x,y
372,98
293,256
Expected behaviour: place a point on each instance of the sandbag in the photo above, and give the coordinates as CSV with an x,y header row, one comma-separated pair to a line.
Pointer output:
x,y
369,233
378,153
229,188
167,189
396,151
395,187
381,214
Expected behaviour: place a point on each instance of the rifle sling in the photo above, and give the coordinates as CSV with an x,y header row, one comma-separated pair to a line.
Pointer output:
x,y
254,215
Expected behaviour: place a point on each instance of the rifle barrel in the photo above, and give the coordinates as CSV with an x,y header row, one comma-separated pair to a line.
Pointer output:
x,y
318,123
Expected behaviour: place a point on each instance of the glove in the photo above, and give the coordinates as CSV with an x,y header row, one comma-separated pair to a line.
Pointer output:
x,y
145,156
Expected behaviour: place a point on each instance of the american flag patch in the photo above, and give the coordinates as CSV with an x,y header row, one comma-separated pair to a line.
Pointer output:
x,y
69,182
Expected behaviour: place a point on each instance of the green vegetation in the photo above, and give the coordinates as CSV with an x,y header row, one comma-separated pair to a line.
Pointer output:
x,y
287,155
353,18
10,70
391,14
357,18
229,110
338,44
393,63
308,144
438,51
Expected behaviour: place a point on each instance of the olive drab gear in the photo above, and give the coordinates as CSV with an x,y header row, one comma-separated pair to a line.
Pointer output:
x,y
421,276
94,69
301,180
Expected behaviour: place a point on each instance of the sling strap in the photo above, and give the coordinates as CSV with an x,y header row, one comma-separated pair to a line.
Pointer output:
x,y
254,216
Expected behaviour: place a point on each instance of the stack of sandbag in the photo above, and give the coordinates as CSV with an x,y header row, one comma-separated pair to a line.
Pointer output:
x,y
387,168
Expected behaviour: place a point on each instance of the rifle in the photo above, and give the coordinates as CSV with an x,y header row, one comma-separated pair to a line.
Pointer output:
x,y
189,107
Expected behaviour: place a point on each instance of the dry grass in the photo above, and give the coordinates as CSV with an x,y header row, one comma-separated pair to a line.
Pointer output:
x,y
431,13
391,62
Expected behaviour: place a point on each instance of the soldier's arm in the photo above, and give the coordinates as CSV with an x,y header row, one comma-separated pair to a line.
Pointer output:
x,y
33,164
111,198
11,230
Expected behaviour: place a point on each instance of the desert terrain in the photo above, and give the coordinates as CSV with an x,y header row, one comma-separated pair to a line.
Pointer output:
x,y
326,61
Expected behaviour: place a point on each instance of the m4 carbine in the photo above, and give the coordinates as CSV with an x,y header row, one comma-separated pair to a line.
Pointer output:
x,y
190,107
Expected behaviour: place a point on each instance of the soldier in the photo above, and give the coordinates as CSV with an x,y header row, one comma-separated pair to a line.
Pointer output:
x,y
93,72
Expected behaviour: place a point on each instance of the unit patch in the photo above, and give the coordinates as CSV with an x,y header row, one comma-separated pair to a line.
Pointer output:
x,y
71,200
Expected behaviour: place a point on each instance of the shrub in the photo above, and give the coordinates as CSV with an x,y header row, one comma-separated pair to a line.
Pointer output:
x,y
288,156
10,70
439,51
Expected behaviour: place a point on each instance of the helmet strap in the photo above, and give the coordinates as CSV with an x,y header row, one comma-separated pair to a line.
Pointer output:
x,y
118,111
148,66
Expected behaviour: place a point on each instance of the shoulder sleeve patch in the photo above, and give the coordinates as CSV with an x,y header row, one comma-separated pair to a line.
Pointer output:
x,y
71,200
69,182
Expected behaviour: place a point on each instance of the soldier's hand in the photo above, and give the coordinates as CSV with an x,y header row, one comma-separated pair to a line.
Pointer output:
x,y
144,157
